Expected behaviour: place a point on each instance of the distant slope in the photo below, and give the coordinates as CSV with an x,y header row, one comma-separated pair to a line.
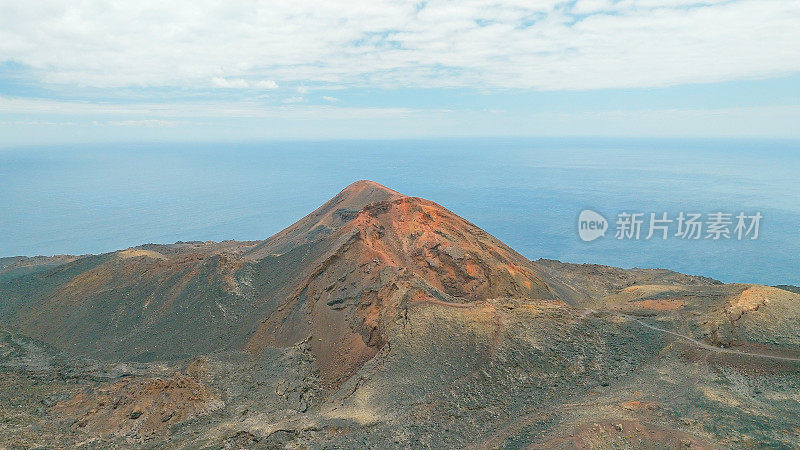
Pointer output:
x,y
786,287
15,266
747,316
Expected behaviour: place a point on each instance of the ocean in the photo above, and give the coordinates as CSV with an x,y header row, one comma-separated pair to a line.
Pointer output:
x,y
527,192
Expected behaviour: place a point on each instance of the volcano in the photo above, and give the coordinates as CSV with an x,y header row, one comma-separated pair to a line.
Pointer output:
x,y
378,251
382,319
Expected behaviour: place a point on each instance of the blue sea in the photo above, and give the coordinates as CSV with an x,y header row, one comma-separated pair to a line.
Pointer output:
x,y
527,192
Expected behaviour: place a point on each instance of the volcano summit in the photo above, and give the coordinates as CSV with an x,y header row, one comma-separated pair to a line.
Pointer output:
x,y
380,320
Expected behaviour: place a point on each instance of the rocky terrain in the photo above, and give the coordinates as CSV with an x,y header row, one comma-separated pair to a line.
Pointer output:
x,y
382,320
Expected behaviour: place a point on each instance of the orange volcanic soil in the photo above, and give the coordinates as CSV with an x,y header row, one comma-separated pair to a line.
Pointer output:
x,y
391,252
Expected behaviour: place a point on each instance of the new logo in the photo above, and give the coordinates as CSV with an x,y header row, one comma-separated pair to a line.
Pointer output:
x,y
591,225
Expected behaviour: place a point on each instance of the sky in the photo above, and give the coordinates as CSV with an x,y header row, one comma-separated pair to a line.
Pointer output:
x,y
99,71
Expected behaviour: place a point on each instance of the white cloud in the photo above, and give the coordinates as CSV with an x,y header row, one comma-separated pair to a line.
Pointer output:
x,y
330,99
240,83
266,84
542,44
592,6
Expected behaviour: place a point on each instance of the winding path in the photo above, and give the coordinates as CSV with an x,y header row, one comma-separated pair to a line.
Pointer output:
x,y
705,346
518,423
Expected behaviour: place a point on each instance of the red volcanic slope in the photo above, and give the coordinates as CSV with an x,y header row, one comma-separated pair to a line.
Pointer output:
x,y
382,251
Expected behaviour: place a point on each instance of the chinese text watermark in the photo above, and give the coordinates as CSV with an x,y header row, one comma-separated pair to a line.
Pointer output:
x,y
687,226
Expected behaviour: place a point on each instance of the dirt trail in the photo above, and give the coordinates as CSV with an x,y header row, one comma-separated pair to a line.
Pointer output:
x,y
705,346
514,425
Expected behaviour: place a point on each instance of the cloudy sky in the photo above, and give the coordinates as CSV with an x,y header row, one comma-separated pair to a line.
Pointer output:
x,y
88,70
